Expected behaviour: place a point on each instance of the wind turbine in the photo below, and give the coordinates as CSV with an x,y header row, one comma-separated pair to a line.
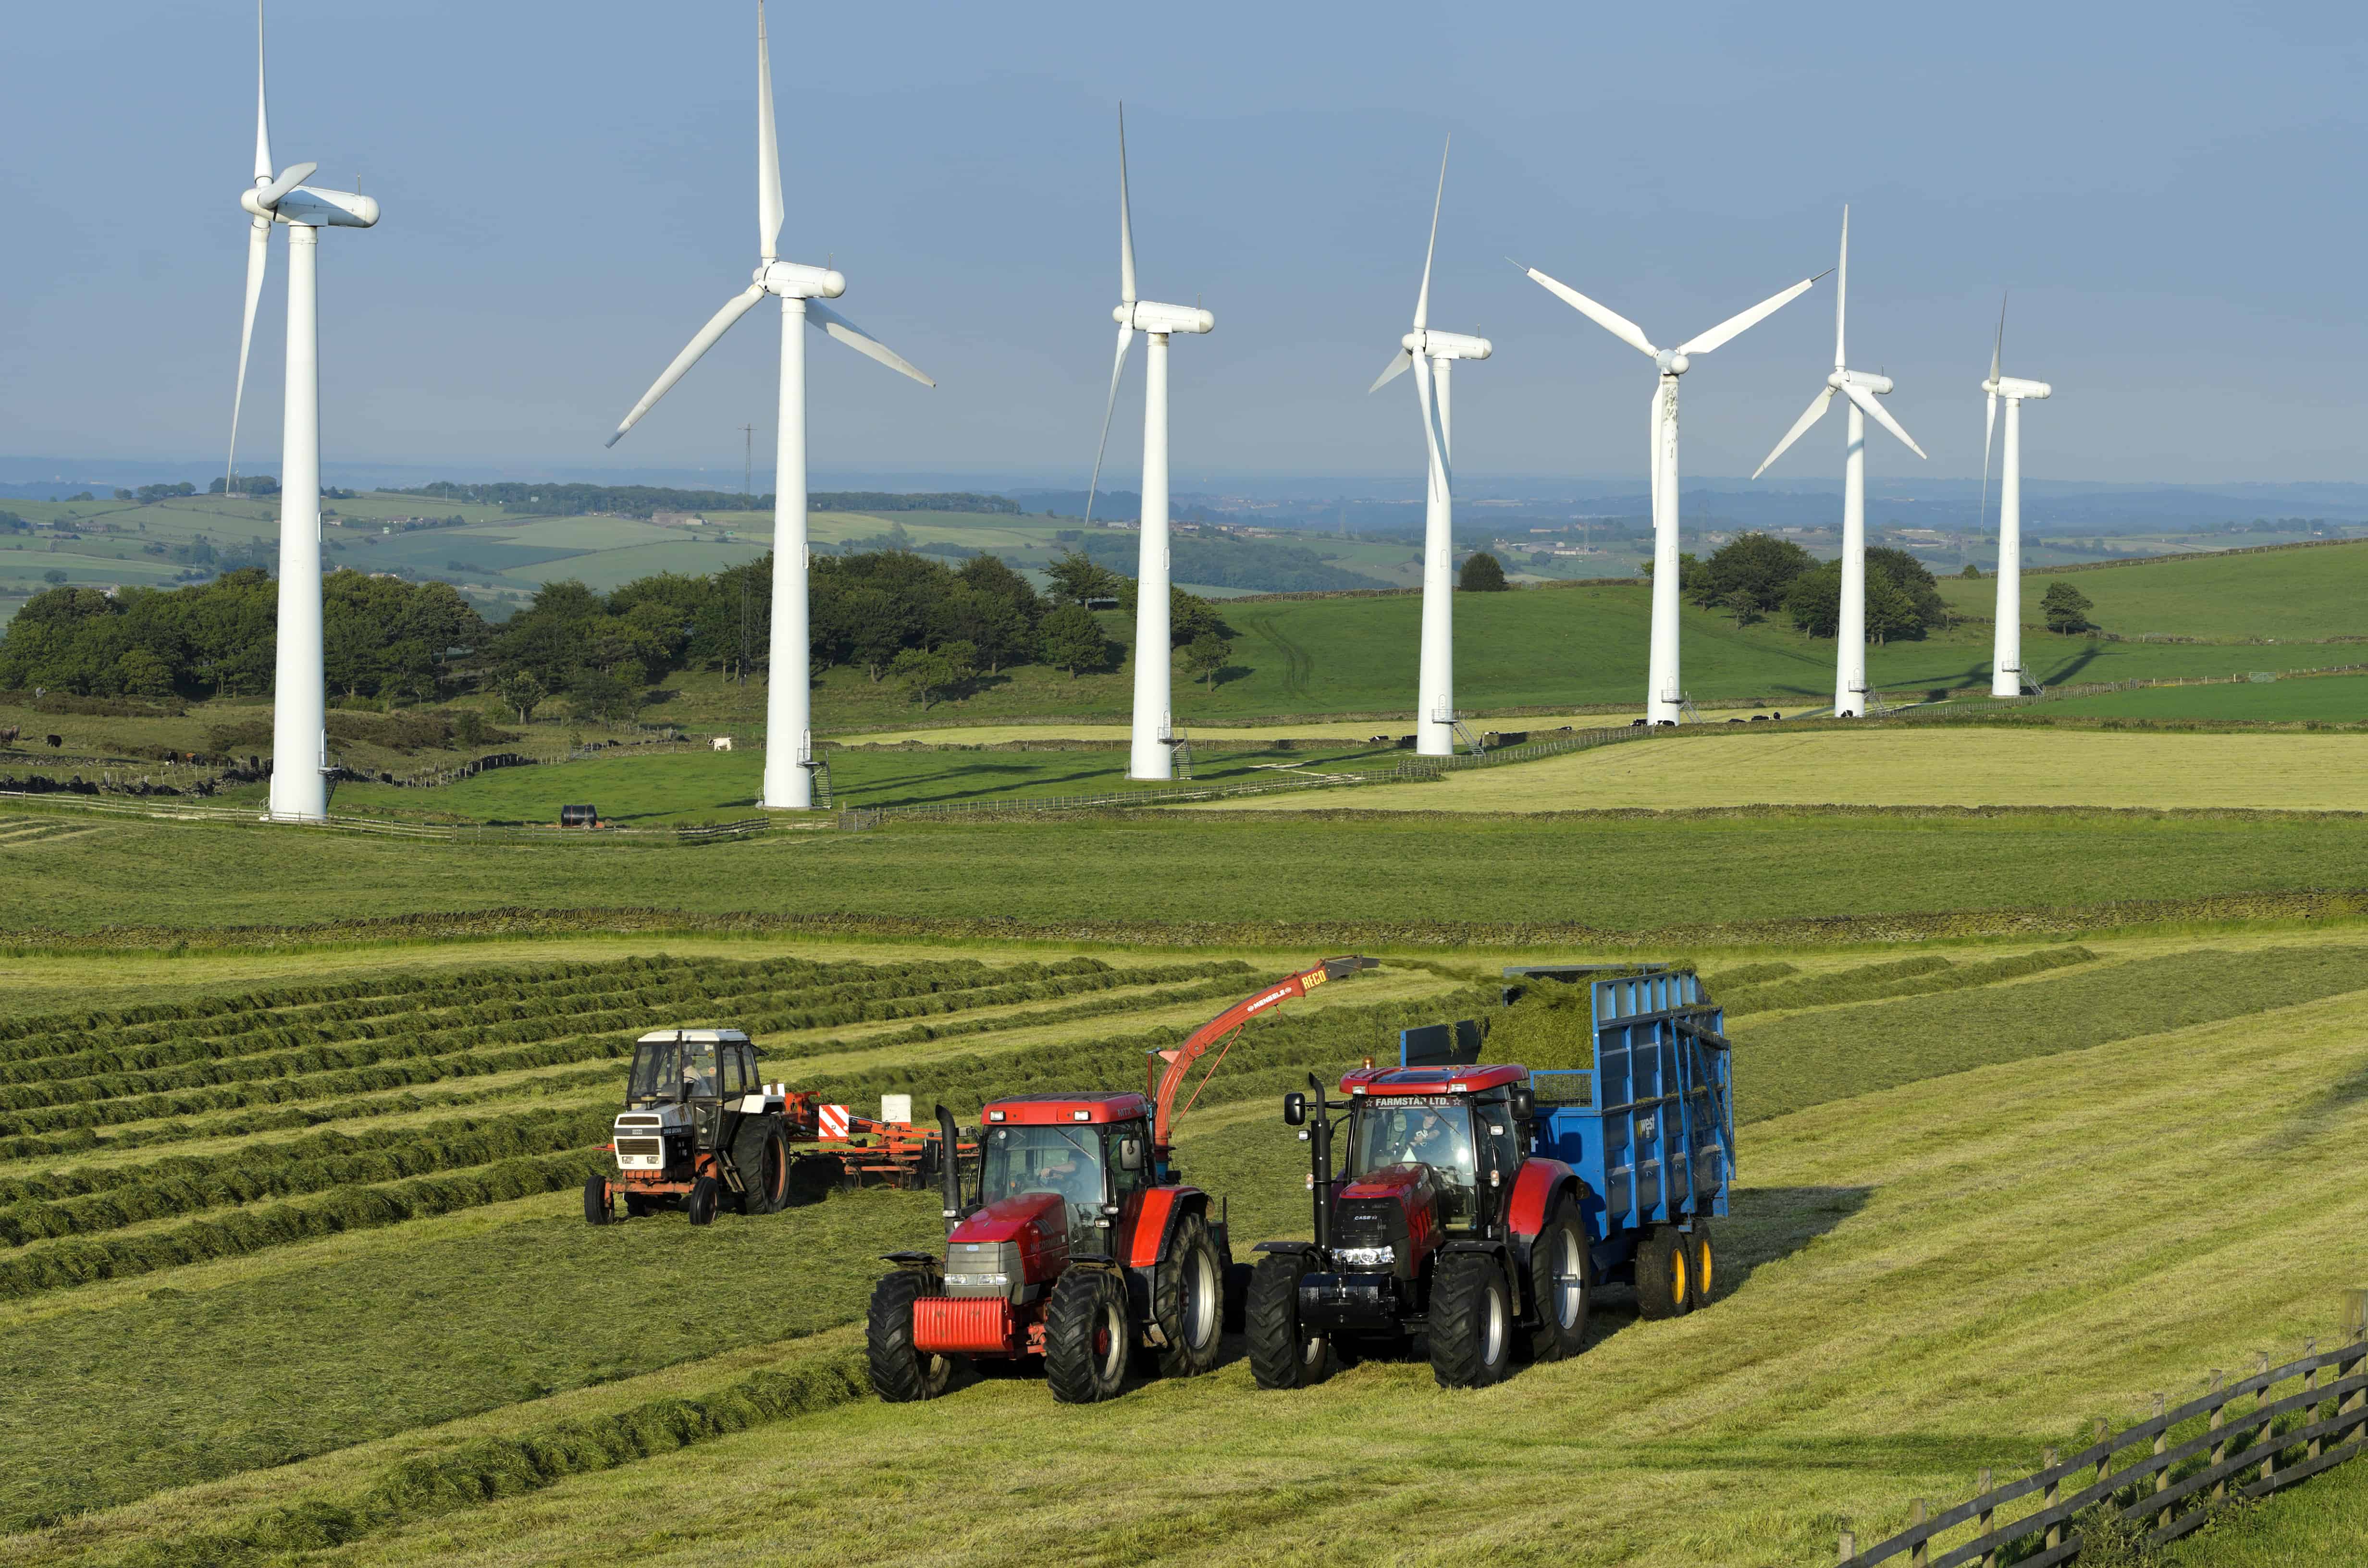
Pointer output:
x,y
299,746
1430,353
789,702
1849,659
1152,737
1665,692
2006,649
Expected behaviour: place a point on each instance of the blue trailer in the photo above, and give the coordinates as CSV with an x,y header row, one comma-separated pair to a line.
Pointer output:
x,y
1480,1202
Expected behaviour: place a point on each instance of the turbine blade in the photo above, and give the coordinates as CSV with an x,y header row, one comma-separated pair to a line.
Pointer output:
x,y
717,325
1118,368
1653,464
272,194
1399,364
768,148
1610,320
263,165
1818,406
1997,350
258,256
1989,428
1841,291
1736,325
1881,415
822,317
1434,435
1125,234
1422,301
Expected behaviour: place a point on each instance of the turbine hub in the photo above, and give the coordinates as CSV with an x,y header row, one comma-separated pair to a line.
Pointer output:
x,y
1674,363
792,280
1840,380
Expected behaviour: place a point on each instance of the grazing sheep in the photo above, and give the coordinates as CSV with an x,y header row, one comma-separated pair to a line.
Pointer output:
x,y
722,743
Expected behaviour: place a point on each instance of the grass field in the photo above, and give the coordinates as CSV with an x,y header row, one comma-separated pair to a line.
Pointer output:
x,y
1932,766
477,1385
2282,593
2342,700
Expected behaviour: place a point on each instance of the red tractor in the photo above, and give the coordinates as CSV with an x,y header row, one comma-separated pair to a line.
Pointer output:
x,y
1078,1245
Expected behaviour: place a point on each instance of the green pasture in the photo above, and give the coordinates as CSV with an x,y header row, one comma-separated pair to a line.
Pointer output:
x,y
2284,593
2342,700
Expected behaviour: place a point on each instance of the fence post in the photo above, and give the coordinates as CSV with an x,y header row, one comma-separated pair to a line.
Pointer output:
x,y
2047,1499
1848,1548
1982,1485
2105,1460
2262,1401
2161,1476
2310,1384
1920,1554
2220,1445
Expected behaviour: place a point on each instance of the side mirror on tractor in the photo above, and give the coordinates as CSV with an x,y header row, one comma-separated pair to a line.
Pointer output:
x,y
1130,1154
1294,1109
1525,1102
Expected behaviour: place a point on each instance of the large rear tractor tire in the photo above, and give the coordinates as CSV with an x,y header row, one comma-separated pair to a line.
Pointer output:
x,y
761,1154
900,1374
1562,1284
1664,1274
1086,1336
1703,1273
1471,1322
1284,1354
705,1198
595,1201
1187,1300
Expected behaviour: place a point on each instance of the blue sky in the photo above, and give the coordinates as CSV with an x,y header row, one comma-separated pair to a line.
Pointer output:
x,y
2173,193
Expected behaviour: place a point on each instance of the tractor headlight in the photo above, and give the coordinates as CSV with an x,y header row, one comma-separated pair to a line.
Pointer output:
x,y
1366,1257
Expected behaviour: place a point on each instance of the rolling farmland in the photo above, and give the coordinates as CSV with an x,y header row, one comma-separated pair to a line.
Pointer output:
x,y
2294,593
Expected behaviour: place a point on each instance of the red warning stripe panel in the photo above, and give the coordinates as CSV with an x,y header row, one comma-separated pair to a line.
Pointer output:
x,y
834,1120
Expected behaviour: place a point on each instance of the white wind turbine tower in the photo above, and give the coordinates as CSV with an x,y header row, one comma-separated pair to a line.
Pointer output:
x,y
300,784
1430,353
1664,691
1150,753
2006,650
789,702
1850,658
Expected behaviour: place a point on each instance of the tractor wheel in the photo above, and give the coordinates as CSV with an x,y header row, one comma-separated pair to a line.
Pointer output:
x,y
812,1176
1283,1355
595,1201
1471,1329
900,1374
1664,1274
704,1199
1086,1336
1188,1301
1698,1277
1562,1286
761,1155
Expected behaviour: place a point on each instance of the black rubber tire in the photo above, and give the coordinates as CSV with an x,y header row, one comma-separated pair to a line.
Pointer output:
x,y
595,1201
1187,1300
900,1374
1237,1297
1086,1336
812,1176
761,1154
1664,1274
1562,1286
1471,1329
1283,1355
704,1198
1703,1277
638,1208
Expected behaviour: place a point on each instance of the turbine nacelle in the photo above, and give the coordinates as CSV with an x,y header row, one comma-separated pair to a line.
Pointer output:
x,y
1149,316
2015,387
307,207
1842,380
1447,345
793,280
1673,361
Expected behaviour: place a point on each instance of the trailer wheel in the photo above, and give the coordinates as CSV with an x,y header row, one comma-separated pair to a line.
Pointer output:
x,y
1562,1284
900,1374
1664,1274
1471,1322
1188,1301
595,1201
1283,1354
704,1198
1086,1336
761,1154
1702,1273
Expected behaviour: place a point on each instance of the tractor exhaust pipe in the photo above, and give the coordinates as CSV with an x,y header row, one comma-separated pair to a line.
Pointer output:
x,y
1319,1147
950,1164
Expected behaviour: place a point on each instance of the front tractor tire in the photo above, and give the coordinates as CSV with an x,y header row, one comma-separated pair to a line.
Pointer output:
x,y
1086,1336
705,1198
1284,1353
761,1154
1189,1301
595,1201
900,1374
1471,1322
1562,1284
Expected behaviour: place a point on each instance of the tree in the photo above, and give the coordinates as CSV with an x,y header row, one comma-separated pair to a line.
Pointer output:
x,y
1750,574
1074,640
2066,609
930,675
53,577
1814,600
1971,571
522,693
1205,657
1076,578
1915,579
1482,574
1903,602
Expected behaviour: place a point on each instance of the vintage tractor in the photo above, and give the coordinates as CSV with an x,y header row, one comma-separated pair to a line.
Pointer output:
x,y
699,1130
1481,1204
1078,1245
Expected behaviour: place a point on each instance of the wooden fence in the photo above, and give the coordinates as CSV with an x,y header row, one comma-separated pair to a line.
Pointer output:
x,y
2240,1440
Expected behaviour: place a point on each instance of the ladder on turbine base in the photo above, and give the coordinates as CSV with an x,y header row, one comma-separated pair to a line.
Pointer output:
x,y
820,769
1454,721
1686,706
1179,751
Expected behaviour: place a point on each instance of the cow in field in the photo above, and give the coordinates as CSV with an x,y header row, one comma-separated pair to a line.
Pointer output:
x,y
56,739
722,743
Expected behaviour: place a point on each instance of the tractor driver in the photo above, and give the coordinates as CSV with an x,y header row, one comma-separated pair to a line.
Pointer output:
x,y
1069,1174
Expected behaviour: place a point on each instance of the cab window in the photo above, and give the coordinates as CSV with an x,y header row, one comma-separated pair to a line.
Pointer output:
x,y
735,1070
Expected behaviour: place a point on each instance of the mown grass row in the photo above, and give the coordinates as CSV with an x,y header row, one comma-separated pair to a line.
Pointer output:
x,y
1225,985
79,1260
1903,977
85,1202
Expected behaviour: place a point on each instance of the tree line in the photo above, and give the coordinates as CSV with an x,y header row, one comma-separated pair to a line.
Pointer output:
x,y
567,500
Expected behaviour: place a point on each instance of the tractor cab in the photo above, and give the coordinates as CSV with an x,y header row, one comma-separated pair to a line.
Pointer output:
x,y
677,1097
1090,1151
1448,1137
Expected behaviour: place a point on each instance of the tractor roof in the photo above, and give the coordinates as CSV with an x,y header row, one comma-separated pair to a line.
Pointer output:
x,y
1043,1110
1429,1080
693,1037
